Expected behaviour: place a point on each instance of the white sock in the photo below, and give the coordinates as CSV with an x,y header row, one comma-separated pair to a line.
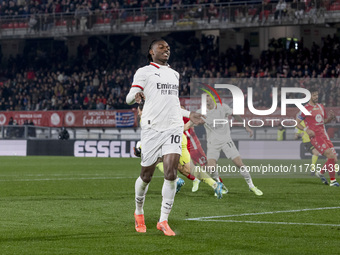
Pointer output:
x,y
246,175
168,194
140,190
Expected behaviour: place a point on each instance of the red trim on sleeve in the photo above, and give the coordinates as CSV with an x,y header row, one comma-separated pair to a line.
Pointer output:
x,y
153,64
137,86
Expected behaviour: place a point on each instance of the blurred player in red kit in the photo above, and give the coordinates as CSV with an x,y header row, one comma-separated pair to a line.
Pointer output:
x,y
197,154
315,128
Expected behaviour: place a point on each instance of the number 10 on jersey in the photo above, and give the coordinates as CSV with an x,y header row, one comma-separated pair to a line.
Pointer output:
x,y
175,138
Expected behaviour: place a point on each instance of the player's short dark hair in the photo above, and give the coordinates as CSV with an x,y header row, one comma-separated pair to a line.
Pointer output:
x,y
313,89
150,47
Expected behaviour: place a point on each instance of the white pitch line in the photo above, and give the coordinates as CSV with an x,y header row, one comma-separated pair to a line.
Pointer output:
x,y
277,223
262,213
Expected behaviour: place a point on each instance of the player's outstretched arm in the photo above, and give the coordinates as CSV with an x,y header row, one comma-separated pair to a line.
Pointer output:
x,y
330,117
188,125
308,131
248,129
197,118
298,125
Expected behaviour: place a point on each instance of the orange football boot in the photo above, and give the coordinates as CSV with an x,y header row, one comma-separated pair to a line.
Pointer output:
x,y
139,223
164,226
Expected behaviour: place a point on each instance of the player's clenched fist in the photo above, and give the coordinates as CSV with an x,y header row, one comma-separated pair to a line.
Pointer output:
x,y
139,97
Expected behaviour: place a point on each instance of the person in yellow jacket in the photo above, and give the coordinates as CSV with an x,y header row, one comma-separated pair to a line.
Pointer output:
x,y
281,133
308,145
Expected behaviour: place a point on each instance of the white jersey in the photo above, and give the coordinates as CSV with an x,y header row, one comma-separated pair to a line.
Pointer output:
x,y
218,133
160,85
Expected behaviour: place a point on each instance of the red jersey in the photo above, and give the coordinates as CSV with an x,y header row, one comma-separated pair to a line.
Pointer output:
x,y
315,121
191,135
185,119
194,146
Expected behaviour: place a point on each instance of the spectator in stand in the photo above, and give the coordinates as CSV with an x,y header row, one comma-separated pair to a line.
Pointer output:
x,y
114,15
31,129
176,11
104,6
69,17
9,130
150,7
110,103
33,23
59,90
101,103
48,21
92,19
211,12
261,8
82,14
281,9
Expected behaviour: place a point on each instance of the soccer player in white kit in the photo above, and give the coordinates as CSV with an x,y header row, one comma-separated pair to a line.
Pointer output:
x,y
218,138
162,129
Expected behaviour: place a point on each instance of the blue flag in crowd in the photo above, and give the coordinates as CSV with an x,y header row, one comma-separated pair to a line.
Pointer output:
x,y
125,119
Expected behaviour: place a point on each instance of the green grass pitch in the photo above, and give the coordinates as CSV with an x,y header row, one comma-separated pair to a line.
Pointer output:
x,y
66,205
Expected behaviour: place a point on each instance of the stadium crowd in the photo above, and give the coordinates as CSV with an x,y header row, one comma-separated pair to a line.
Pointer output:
x,y
83,15
100,77
21,7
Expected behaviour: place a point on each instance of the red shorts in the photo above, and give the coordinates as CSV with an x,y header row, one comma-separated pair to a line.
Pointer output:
x,y
198,157
321,143
196,152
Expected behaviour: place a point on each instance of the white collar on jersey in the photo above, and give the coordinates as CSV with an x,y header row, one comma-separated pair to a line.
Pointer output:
x,y
158,66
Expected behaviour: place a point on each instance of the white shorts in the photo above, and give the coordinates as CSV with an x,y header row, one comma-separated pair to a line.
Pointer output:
x,y
229,149
156,144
